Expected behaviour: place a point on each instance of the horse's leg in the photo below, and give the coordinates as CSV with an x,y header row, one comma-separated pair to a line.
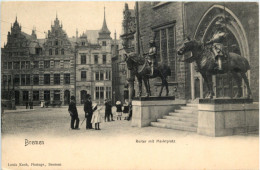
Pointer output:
x,y
149,87
139,78
167,89
208,80
161,87
239,82
146,86
247,85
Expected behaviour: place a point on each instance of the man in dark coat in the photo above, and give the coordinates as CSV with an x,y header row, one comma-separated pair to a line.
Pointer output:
x,y
73,113
88,111
108,110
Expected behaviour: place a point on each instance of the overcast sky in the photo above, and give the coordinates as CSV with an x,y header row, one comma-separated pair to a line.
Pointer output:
x,y
73,15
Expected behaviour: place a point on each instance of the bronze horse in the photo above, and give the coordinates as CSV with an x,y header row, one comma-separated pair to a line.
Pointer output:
x,y
205,60
141,69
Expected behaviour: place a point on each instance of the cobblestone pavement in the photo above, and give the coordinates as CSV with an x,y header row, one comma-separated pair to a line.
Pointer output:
x,y
117,145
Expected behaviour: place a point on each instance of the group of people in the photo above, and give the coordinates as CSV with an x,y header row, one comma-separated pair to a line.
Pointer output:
x,y
92,113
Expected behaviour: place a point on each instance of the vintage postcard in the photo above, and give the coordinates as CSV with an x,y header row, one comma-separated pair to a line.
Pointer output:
x,y
129,85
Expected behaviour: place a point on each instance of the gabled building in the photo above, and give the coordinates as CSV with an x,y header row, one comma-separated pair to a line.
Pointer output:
x,y
38,69
93,64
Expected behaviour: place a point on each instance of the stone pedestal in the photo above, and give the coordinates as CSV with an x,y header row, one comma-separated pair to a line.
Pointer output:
x,y
224,117
147,110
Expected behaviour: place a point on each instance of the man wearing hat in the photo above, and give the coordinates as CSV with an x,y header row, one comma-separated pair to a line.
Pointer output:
x,y
217,41
152,56
88,111
73,113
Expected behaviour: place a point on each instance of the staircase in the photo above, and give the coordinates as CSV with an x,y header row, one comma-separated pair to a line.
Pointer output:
x,y
185,118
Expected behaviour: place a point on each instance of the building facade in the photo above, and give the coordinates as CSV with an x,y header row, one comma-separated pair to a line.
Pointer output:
x,y
57,67
38,69
93,65
168,23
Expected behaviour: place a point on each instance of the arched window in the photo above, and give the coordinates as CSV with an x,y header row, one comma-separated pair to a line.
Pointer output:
x,y
50,51
62,51
56,51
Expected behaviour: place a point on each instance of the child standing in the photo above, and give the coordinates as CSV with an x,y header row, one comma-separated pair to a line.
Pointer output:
x,y
96,118
118,110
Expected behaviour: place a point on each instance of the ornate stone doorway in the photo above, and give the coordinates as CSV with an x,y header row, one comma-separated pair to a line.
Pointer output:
x,y
236,42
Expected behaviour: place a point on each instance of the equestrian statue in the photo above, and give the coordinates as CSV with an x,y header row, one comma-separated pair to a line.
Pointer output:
x,y
145,68
212,60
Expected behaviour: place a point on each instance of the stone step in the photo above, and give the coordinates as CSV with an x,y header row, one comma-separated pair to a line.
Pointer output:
x,y
178,122
186,119
188,108
177,114
186,111
171,126
192,105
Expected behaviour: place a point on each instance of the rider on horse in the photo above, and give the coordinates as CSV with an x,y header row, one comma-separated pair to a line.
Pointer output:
x,y
217,40
152,56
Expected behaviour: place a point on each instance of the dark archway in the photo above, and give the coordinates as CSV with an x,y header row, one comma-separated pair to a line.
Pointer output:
x,y
66,97
83,94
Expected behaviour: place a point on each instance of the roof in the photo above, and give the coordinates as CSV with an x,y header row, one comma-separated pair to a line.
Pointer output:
x,y
27,36
92,36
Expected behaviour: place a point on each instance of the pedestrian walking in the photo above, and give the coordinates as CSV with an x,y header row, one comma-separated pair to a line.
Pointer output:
x,y
88,109
96,118
118,110
73,113
108,110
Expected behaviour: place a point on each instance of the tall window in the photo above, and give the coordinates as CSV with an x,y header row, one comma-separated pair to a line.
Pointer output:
x,y
22,65
108,92
17,65
27,79
23,79
101,76
17,79
36,79
56,79
56,51
104,43
5,65
97,93
66,63
46,64
104,59
62,51
50,51
56,95
36,95
56,42
46,79
47,96
96,59
83,59
83,76
165,44
10,65
108,75
57,64
97,75
67,78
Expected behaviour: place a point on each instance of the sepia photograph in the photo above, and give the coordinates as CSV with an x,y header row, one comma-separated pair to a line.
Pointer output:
x,y
129,85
